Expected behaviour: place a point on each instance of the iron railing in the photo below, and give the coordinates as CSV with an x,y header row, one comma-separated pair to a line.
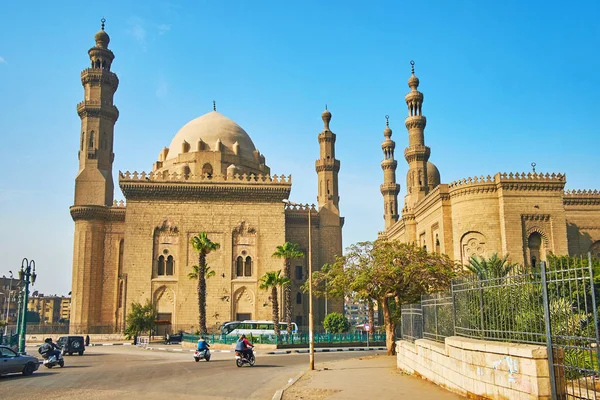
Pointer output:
x,y
295,339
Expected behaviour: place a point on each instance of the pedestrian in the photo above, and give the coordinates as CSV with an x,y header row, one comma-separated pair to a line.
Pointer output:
x,y
87,340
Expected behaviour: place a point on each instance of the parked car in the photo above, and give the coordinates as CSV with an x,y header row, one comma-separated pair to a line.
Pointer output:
x,y
11,362
71,344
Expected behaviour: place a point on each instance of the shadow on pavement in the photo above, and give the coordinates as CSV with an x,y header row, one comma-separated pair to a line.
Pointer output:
x,y
16,377
266,366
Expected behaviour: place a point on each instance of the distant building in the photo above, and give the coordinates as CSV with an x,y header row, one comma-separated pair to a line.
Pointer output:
x,y
8,298
51,309
357,312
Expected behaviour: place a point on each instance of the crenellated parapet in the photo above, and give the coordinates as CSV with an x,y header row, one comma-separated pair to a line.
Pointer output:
x,y
143,185
508,181
327,165
99,77
581,197
95,108
298,214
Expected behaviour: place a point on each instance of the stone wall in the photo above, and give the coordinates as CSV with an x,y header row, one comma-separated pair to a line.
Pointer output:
x,y
479,368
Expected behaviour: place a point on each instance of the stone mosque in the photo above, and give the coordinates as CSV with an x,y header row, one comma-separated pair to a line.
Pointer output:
x,y
523,215
210,179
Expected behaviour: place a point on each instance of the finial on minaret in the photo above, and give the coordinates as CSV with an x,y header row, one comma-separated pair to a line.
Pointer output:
x,y
412,67
387,120
413,81
326,116
533,166
214,105
103,20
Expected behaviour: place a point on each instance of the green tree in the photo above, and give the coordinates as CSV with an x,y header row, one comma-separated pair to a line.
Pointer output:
x,y
140,319
392,273
492,267
271,281
203,245
336,323
288,252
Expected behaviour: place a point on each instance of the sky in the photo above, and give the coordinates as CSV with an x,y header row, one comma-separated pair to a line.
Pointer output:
x,y
506,83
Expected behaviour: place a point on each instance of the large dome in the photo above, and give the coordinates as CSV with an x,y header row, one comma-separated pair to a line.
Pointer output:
x,y
210,128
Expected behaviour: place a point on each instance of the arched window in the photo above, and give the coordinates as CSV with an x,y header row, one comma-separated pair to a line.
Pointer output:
x,y
298,298
534,243
207,169
248,266
299,272
170,265
91,144
121,250
239,266
161,265
82,139
437,244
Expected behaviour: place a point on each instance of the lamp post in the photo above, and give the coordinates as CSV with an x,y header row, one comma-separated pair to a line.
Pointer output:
x,y
311,322
8,305
27,275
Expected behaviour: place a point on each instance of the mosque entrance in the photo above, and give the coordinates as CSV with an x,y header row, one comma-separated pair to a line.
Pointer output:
x,y
163,324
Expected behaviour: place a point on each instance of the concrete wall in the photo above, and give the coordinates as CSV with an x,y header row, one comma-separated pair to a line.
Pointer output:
x,y
479,368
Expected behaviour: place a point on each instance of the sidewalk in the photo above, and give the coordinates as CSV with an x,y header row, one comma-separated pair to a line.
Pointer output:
x,y
369,377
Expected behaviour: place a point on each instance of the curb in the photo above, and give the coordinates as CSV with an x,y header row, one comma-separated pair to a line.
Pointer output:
x,y
333,350
279,394
110,344
181,350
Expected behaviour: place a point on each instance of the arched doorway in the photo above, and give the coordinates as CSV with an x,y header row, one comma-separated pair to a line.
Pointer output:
x,y
535,249
243,306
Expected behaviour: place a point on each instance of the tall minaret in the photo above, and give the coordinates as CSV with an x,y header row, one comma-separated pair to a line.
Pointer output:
x,y
94,182
389,188
327,167
93,189
416,154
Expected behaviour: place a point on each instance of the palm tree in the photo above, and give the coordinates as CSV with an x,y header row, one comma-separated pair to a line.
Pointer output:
x,y
207,274
288,251
203,245
493,267
272,280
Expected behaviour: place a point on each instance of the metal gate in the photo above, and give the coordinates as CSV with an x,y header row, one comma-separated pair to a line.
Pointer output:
x,y
571,324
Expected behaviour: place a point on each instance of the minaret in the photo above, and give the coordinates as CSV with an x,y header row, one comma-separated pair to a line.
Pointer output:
x,y
416,154
94,182
327,167
93,189
389,188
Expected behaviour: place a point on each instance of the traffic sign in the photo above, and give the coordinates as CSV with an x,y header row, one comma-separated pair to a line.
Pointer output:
x,y
367,327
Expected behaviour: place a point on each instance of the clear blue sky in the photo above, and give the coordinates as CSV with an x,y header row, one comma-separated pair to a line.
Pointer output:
x,y
506,83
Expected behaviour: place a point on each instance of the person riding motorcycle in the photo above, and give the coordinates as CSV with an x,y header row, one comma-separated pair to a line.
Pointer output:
x,y
202,344
244,347
49,349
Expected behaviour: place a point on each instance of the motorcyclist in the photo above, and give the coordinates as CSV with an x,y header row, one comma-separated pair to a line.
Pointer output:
x,y
49,349
244,347
202,344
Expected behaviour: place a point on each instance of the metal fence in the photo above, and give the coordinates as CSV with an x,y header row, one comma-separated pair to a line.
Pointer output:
x,y
294,339
555,305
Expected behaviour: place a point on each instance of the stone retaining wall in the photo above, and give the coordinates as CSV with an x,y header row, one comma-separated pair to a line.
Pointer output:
x,y
479,369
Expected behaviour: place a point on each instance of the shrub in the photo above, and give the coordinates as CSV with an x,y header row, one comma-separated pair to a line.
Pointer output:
x,y
336,323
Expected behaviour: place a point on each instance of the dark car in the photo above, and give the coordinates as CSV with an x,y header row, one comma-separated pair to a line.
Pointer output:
x,y
11,362
71,344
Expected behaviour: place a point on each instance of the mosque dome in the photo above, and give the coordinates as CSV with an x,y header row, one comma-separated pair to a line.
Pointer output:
x,y
433,175
212,128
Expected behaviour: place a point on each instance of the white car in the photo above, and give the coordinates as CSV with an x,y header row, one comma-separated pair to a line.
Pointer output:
x,y
11,362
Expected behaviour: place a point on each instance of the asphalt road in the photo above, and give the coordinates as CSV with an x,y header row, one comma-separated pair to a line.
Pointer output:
x,y
127,372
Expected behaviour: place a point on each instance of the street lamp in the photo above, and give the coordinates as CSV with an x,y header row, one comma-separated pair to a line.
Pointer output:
x,y
311,322
8,305
27,275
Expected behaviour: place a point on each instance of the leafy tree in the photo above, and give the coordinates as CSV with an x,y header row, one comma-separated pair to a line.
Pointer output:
x,y
32,316
492,267
140,319
288,252
203,245
389,272
272,280
336,323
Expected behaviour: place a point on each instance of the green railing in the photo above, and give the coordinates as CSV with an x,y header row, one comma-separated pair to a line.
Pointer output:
x,y
295,339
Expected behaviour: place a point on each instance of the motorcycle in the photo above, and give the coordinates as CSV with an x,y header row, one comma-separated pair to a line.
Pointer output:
x,y
200,354
53,361
240,359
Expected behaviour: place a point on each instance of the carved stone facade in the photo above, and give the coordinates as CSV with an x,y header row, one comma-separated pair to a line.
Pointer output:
x,y
211,179
524,215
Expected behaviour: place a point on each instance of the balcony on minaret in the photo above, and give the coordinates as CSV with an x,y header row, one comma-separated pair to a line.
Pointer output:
x,y
327,164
